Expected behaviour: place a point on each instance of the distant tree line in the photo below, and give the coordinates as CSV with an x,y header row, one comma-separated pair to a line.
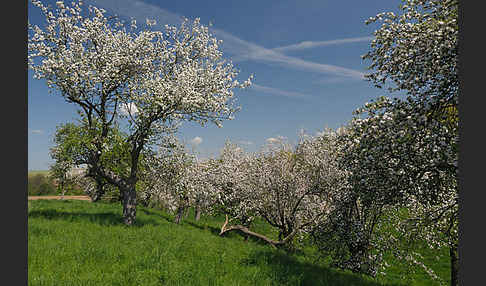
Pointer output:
x,y
42,185
39,184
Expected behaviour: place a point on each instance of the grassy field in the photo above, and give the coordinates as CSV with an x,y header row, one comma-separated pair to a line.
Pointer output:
x,y
83,243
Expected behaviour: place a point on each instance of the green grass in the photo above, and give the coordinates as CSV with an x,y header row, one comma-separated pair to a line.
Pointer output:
x,y
83,243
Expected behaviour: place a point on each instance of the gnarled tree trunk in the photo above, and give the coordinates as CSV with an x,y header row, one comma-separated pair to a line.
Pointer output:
x,y
129,202
100,190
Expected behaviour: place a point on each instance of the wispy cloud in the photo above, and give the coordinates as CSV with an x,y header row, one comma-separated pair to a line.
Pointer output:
x,y
37,131
246,51
315,44
140,11
275,91
240,49
330,80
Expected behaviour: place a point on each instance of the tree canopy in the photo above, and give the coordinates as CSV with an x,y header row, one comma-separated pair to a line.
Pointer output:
x,y
104,66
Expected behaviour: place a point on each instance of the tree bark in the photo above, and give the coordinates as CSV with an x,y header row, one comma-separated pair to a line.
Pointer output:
x,y
453,251
129,201
100,190
197,214
246,235
180,213
63,191
97,195
245,230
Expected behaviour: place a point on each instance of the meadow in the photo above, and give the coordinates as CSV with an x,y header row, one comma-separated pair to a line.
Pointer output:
x,y
84,243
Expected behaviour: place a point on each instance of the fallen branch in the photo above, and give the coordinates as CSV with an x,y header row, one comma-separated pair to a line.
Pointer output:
x,y
273,243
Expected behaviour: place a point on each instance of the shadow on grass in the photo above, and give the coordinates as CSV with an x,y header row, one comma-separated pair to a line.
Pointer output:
x,y
235,234
232,234
144,216
157,215
212,229
106,218
287,270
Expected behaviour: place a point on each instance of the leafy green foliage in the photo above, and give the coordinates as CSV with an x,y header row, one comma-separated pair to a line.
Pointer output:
x,y
73,146
39,184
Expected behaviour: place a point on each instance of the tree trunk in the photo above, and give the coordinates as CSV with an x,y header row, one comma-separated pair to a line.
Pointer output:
x,y
62,190
129,201
180,213
454,265
96,196
246,235
197,214
99,192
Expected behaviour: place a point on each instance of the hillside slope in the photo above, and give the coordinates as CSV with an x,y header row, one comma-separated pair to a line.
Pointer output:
x,y
83,243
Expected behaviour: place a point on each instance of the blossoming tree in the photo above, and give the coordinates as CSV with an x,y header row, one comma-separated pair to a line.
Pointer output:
x,y
228,176
168,174
176,180
417,50
402,154
403,180
290,188
101,65
203,194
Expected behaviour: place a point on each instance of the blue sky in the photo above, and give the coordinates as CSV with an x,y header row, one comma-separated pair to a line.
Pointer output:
x,y
305,57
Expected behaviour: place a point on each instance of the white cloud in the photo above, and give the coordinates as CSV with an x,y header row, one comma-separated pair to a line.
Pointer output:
x,y
315,44
129,108
271,140
196,140
275,91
